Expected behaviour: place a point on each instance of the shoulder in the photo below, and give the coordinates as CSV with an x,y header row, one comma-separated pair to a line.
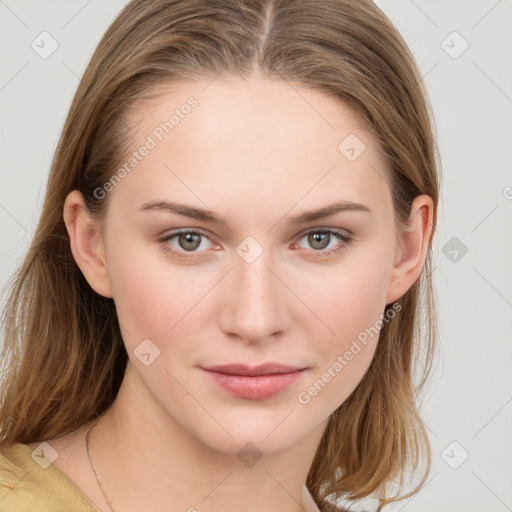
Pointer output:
x,y
29,482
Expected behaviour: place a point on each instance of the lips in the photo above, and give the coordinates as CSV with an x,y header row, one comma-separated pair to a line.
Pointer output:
x,y
254,382
262,369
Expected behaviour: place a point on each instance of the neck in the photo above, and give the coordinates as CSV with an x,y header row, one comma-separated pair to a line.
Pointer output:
x,y
146,460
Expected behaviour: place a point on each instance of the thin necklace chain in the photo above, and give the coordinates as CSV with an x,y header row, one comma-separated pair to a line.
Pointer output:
x,y
92,465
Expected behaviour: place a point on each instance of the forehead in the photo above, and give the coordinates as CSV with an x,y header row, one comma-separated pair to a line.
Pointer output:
x,y
254,111
257,140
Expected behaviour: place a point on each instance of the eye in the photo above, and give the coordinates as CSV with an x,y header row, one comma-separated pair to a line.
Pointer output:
x,y
185,242
326,241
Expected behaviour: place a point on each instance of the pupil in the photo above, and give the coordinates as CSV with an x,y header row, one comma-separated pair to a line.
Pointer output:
x,y
317,237
189,239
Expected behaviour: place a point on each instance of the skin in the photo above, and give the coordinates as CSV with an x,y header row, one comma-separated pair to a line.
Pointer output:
x,y
256,152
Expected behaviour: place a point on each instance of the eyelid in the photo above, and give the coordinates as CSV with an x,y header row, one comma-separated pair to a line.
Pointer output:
x,y
344,232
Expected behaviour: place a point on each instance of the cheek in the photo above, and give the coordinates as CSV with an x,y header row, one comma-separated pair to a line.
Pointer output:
x,y
348,301
151,296
161,301
351,304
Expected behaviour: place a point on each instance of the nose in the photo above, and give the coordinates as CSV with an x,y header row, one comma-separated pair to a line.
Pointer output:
x,y
254,308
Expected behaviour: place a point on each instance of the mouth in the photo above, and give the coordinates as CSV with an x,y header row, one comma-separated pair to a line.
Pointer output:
x,y
256,382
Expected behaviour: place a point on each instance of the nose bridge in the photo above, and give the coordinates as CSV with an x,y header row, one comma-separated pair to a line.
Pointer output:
x,y
257,308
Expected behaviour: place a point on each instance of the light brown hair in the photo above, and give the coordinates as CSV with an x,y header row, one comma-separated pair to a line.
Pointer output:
x,y
63,358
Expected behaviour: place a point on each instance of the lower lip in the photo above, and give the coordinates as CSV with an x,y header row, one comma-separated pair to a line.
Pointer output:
x,y
255,387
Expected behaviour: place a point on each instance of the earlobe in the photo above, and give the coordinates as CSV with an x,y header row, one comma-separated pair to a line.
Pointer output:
x,y
413,251
86,243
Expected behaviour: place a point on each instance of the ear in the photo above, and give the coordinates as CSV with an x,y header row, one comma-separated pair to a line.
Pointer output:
x,y
412,248
86,243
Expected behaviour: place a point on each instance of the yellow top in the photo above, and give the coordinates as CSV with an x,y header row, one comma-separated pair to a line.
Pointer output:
x,y
26,485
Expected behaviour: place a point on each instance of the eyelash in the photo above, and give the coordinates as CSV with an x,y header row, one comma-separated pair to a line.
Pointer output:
x,y
344,239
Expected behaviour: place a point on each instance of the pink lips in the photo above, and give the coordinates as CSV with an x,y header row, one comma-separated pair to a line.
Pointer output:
x,y
254,382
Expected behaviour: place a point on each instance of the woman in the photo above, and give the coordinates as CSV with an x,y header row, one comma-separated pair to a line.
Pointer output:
x,y
220,309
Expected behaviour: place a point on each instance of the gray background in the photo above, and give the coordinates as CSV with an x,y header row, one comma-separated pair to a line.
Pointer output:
x,y
468,406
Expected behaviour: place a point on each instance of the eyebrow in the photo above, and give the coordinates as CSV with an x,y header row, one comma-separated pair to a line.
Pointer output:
x,y
209,216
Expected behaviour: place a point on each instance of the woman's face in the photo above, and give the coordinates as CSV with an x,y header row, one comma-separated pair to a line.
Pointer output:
x,y
271,281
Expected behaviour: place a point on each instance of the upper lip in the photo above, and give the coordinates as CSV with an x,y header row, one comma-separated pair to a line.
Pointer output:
x,y
262,369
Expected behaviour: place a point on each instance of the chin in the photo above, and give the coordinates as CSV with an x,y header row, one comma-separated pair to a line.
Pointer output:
x,y
250,442
264,432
